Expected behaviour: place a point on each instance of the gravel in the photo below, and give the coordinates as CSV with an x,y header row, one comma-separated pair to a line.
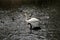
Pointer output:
x,y
17,29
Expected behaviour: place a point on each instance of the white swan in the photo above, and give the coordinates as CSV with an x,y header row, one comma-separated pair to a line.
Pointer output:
x,y
34,24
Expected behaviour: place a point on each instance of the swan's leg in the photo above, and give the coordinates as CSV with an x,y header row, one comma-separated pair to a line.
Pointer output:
x,y
31,30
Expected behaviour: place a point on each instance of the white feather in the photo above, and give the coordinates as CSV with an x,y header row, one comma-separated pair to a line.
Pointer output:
x,y
32,20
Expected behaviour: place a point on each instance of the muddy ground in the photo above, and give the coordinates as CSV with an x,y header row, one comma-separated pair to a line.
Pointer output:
x,y
14,27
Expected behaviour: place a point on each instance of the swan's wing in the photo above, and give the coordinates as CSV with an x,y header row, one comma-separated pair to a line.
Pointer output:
x,y
32,20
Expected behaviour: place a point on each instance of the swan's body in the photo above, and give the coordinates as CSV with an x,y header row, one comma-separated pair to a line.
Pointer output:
x,y
32,20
